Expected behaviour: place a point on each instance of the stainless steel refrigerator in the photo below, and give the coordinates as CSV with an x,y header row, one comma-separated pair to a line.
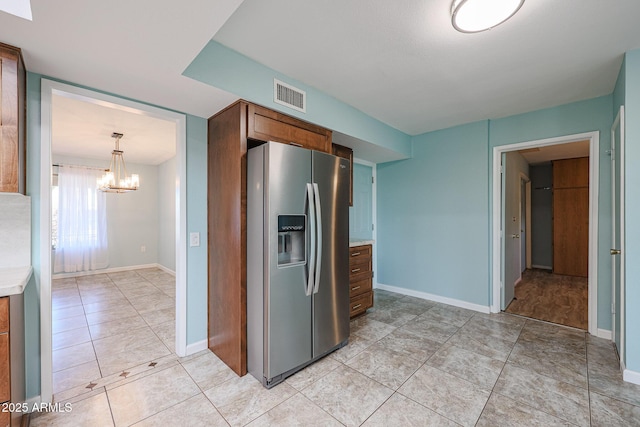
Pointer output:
x,y
297,258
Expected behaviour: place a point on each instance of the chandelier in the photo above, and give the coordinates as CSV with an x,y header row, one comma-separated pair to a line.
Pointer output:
x,y
116,180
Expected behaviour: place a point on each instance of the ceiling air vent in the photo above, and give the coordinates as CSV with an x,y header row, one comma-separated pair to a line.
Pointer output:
x,y
289,96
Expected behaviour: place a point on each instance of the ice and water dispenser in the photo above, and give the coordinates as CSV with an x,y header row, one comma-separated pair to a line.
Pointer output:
x,y
291,239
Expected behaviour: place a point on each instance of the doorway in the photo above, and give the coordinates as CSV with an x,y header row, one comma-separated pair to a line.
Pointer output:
x,y
500,233
49,89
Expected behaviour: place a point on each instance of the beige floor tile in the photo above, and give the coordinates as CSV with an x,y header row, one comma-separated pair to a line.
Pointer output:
x,y
410,344
502,327
609,412
121,312
546,394
159,316
70,338
431,329
150,395
480,370
296,411
400,411
69,324
64,313
572,369
195,411
116,327
73,356
243,399
134,354
152,302
167,333
208,371
106,305
65,302
75,376
93,411
125,341
501,411
477,342
388,367
448,395
312,373
447,314
347,395
370,329
355,346
391,316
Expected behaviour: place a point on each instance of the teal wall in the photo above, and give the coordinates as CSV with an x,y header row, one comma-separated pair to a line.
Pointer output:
x,y
437,205
433,216
578,117
224,68
361,213
632,208
196,221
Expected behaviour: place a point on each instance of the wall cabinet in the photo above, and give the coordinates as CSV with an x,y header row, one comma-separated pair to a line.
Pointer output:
x,y
11,356
360,279
231,133
12,120
571,217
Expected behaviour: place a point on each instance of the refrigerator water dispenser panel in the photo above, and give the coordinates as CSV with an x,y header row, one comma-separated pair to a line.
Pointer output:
x,y
291,239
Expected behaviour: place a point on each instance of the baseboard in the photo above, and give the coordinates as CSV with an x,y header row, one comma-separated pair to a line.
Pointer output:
x,y
604,333
542,267
166,270
197,346
111,270
630,376
435,298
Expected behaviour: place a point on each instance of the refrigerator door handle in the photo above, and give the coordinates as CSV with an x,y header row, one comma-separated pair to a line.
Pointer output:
x,y
319,237
312,233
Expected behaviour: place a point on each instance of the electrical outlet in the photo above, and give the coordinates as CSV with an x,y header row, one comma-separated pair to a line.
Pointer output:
x,y
194,239
143,249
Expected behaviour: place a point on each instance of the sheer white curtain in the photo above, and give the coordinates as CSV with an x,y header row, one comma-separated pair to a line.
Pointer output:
x,y
82,222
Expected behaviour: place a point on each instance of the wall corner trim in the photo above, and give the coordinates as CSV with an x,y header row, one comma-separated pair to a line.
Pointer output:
x,y
197,346
630,376
435,298
604,333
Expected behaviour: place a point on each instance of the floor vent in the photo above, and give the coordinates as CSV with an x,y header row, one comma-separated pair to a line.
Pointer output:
x,y
289,96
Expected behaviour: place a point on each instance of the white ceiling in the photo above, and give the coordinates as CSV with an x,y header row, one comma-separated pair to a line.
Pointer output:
x,y
83,129
400,62
404,64
535,156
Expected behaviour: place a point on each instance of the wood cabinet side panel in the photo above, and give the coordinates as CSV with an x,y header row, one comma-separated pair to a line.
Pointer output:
x,y
227,236
571,173
4,314
9,143
571,231
5,368
345,153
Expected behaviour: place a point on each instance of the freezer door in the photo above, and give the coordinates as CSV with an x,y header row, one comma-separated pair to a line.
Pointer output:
x,y
287,307
331,293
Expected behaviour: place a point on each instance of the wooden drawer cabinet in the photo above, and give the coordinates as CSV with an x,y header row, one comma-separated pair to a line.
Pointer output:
x,y
264,124
11,356
360,279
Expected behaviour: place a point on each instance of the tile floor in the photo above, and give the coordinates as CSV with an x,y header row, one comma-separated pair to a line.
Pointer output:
x,y
409,362
105,324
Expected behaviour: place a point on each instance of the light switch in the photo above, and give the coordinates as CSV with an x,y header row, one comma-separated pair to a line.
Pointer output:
x,y
194,239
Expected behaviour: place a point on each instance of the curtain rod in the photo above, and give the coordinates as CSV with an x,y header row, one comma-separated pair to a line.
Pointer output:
x,y
80,167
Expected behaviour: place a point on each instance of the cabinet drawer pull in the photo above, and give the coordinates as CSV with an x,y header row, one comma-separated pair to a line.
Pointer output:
x,y
355,288
356,306
355,254
355,270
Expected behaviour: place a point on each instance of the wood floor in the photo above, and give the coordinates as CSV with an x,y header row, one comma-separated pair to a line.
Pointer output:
x,y
552,297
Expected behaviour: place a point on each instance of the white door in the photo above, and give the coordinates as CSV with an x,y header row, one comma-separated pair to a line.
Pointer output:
x,y
523,224
617,239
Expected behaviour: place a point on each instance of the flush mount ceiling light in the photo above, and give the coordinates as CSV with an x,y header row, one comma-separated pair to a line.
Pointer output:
x,y
116,180
473,16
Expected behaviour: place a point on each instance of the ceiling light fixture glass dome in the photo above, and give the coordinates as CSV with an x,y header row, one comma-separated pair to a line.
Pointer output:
x,y
473,16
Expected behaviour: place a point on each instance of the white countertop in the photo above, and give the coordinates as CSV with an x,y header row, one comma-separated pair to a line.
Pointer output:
x,y
354,241
14,279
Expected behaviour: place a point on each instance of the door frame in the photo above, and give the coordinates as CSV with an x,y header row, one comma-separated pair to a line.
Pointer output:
x,y
619,158
497,259
527,227
48,89
374,217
